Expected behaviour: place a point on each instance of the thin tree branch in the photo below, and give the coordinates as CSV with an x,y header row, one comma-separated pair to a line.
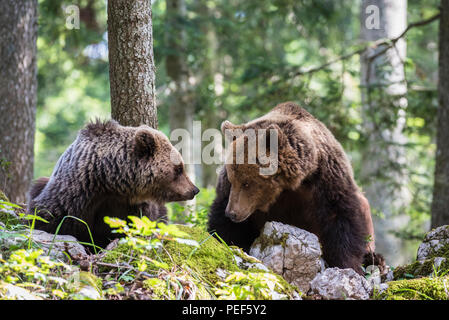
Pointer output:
x,y
389,42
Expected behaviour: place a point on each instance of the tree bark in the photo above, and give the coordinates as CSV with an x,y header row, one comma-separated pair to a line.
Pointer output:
x,y
18,96
383,113
131,62
440,202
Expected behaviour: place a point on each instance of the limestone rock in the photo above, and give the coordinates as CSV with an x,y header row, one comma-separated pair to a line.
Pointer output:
x,y
61,243
245,261
44,240
435,244
11,292
340,284
289,251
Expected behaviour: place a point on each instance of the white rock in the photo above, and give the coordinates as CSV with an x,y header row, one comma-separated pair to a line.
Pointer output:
x,y
433,241
60,243
289,251
44,240
340,284
249,262
90,293
11,291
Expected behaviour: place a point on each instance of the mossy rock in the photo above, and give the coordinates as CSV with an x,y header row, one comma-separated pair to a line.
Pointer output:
x,y
273,239
417,289
434,266
209,263
435,244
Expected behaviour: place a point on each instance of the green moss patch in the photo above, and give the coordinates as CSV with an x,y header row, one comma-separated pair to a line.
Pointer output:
x,y
268,241
206,266
417,289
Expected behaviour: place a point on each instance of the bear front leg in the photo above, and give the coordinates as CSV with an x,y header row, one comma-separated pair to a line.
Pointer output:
x,y
343,243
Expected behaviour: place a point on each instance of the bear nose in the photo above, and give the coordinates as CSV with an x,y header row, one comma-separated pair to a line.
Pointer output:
x,y
195,191
230,214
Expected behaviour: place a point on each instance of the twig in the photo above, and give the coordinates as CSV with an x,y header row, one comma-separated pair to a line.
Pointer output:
x,y
389,42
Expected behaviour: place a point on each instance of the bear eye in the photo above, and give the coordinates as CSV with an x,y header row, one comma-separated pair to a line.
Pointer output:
x,y
179,170
246,185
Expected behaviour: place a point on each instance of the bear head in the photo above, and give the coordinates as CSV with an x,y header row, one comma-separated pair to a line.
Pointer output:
x,y
260,164
138,164
161,168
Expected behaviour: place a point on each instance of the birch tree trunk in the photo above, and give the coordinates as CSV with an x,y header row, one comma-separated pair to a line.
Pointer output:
x,y
131,62
18,96
440,202
383,111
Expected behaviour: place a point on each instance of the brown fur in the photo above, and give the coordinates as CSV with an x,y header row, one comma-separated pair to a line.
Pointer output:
x,y
313,189
110,170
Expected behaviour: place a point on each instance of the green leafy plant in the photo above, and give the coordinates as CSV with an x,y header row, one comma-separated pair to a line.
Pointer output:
x,y
144,235
248,286
194,215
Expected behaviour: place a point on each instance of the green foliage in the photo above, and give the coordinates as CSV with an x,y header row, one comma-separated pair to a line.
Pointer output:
x,y
248,286
43,277
176,256
197,215
26,266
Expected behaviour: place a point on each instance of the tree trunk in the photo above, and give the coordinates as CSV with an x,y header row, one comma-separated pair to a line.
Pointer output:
x,y
181,100
18,96
131,62
383,113
440,203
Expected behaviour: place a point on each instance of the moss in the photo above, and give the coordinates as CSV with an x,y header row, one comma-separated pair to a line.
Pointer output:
x,y
417,289
159,288
121,253
166,289
268,241
201,263
205,259
90,279
420,269
3,196
442,252
247,258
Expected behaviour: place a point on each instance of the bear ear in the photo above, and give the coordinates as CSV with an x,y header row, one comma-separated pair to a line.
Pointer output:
x,y
145,143
231,131
274,131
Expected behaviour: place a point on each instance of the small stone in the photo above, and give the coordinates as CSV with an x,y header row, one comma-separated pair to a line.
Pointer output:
x,y
59,245
340,284
10,291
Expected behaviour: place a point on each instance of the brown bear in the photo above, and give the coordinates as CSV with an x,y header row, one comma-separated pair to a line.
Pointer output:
x,y
313,188
110,170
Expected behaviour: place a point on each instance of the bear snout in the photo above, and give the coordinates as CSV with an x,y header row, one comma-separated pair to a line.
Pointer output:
x,y
191,194
231,214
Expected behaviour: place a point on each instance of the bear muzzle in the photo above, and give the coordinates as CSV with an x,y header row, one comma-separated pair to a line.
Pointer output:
x,y
235,217
189,195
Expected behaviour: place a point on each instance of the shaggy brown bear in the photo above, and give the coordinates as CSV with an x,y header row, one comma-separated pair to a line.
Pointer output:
x,y
313,188
110,170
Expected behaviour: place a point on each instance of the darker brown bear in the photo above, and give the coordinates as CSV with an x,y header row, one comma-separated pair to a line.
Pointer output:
x,y
312,188
110,170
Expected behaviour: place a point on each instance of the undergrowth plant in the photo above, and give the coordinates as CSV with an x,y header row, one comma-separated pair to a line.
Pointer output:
x,y
144,235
